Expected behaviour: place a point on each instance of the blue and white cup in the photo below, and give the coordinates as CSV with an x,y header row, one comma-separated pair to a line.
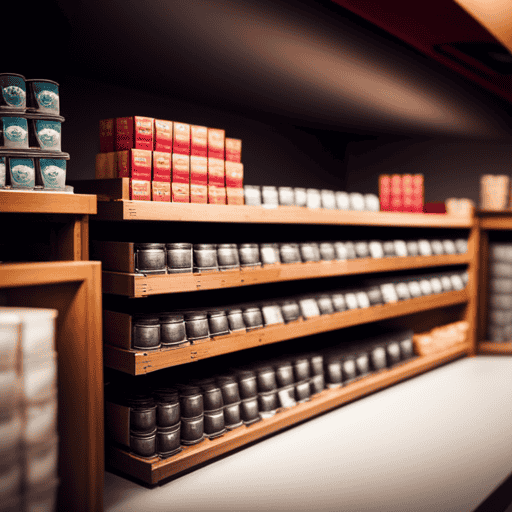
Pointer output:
x,y
13,97
13,132
22,172
43,96
52,172
45,132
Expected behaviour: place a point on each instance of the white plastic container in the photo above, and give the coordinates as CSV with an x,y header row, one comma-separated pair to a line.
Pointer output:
x,y
40,379
10,337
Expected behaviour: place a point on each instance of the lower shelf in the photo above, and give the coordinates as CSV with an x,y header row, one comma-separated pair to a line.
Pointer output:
x,y
155,469
490,347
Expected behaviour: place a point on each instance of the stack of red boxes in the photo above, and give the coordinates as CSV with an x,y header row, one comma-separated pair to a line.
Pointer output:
x,y
171,161
401,193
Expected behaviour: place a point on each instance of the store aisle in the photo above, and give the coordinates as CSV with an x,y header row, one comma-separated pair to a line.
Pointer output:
x,y
441,441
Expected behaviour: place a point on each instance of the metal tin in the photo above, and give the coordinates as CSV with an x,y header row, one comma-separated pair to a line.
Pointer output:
x,y
142,414
172,329
205,257
413,248
316,364
269,196
289,253
406,349
146,332
249,255
179,258
143,445
342,201
43,96
437,247
272,314
192,430
351,250
191,402
13,97
309,308
371,203
44,132
362,299
498,269
389,249
449,246
227,256
168,412
196,325
314,199
362,250
168,441
447,283
252,195
500,285
302,391
457,282
266,378
290,311
389,293
14,131
286,396
402,291
212,397
252,318
316,384
333,372
325,305
378,358
51,171
327,252
269,254
374,295
338,302
235,320
286,196
497,252
349,368
414,289
426,288
401,248
351,300
328,199
341,251
393,353
356,201
229,389
465,277
249,410
301,369
267,404
461,245
284,374
309,251
218,323
232,416
150,258
376,249
214,425
424,248
247,384
300,197
362,364
436,285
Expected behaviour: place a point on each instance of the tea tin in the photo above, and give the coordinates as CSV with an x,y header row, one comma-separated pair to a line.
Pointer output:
x,y
179,258
14,92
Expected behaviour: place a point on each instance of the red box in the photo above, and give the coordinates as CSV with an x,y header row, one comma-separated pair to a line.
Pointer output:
x,y
107,135
180,192
397,203
216,195
199,141
233,150
198,170
140,190
180,168
198,194
407,203
417,204
385,192
434,207
106,165
133,133
161,191
181,139
216,143
235,195
234,174
163,136
216,172
161,166
135,164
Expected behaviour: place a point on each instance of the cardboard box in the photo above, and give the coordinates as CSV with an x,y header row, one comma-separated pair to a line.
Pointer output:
x,y
233,150
234,174
181,139
161,191
216,143
163,136
180,192
216,195
107,135
180,168
198,141
198,170
135,164
385,192
216,172
162,166
106,165
235,195
198,194
134,132
140,190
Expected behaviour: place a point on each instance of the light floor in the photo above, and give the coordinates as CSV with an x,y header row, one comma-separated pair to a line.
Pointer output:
x,y
438,442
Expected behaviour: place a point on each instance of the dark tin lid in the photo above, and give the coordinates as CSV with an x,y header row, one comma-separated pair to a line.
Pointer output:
x,y
33,153
171,318
196,315
36,79
13,74
212,314
44,117
202,247
168,395
146,319
178,246
226,246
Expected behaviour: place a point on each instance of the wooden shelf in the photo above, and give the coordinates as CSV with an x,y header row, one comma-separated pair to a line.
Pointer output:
x,y
137,285
155,211
141,362
489,347
154,470
47,202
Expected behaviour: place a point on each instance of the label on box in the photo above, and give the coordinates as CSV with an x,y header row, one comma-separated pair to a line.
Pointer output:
x,y
216,195
235,175
199,141
233,150
134,163
180,168
198,170
140,190
216,172
161,191
198,194
181,139
133,133
163,136
106,165
107,135
216,143
180,192
161,166
235,195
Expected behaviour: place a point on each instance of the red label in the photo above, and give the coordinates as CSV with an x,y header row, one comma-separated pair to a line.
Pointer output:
x,y
234,174
107,135
216,143
161,166
133,133
180,168
199,141
181,139
161,191
233,150
216,172
140,190
235,195
216,195
198,194
198,170
180,192
163,136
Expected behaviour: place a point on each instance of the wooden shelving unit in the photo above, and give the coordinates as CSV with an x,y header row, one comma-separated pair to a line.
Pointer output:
x,y
154,470
488,347
141,362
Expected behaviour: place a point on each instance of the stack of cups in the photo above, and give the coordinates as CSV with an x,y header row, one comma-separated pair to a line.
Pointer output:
x,y
494,192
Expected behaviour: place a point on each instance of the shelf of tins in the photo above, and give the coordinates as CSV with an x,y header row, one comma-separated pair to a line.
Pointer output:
x,y
117,330
498,220
154,470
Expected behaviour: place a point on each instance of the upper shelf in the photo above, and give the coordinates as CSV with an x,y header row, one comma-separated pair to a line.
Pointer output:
x,y
489,219
47,202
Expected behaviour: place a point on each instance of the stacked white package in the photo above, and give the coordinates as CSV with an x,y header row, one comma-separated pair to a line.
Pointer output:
x,y
28,409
